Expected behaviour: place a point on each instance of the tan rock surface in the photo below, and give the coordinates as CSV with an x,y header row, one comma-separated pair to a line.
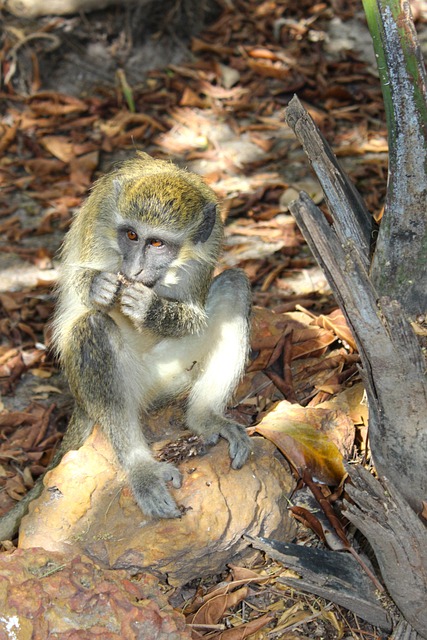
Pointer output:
x,y
88,508
43,595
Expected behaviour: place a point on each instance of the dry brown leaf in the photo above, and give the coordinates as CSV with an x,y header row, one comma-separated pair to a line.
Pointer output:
x,y
265,54
244,630
243,574
59,146
215,608
50,108
190,98
41,373
293,614
273,70
46,388
337,323
294,431
9,303
15,487
351,402
123,120
82,168
16,418
309,520
7,136
44,167
311,341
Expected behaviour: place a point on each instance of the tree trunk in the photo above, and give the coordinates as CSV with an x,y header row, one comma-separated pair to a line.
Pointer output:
x,y
393,364
393,373
399,266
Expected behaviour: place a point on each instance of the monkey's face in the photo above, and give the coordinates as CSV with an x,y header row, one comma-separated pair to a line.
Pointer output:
x,y
147,252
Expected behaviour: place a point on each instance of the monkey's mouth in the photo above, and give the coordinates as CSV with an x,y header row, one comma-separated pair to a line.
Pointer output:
x,y
144,279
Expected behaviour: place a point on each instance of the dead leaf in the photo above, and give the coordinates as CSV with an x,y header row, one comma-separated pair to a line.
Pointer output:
x,y
244,630
41,373
190,99
294,431
59,146
351,402
213,610
338,324
46,388
9,302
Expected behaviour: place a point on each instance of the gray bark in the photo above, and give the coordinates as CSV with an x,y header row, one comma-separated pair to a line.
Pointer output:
x,y
399,265
393,371
393,364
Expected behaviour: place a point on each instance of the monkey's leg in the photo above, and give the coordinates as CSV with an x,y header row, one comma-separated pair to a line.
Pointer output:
x,y
227,341
79,425
107,380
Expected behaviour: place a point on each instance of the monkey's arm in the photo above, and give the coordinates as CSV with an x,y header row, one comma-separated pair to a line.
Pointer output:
x,y
168,318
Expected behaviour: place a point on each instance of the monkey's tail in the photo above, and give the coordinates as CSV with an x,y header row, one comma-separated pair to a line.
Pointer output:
x,y
9,523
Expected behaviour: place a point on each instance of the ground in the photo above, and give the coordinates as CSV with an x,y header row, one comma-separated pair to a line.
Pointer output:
x,y
213,104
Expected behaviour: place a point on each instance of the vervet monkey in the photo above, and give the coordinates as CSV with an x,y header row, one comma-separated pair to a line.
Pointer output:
x,y
140,321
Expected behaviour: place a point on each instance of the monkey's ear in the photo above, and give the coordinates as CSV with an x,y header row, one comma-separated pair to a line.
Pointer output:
x,y
207,224
117,187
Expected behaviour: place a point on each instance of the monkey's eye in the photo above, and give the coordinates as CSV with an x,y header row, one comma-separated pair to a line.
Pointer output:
x,y
157,244
132,235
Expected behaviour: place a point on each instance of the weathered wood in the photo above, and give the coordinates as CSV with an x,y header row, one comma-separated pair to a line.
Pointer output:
x,y
394,374
333,575
397,394
398,538
354,222
404,631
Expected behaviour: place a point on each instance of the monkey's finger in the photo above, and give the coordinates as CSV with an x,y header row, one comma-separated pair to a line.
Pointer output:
x,y
210,440
105,279
171,474
157,502
133,313
137,289
148,484
104,289
131,295
240,444
129,300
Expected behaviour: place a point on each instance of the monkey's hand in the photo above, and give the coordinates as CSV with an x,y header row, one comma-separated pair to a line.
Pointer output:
x,y
239,441
169,318
148,482
136,300
104,290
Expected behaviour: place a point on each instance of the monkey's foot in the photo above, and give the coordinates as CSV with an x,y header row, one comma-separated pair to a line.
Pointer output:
x,y
149,488
238,439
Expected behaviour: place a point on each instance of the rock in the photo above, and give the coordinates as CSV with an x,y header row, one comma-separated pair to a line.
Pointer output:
x,y
87,508
44,596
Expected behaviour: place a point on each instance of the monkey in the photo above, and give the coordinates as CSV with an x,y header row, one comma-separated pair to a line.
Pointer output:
x,y
141,320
